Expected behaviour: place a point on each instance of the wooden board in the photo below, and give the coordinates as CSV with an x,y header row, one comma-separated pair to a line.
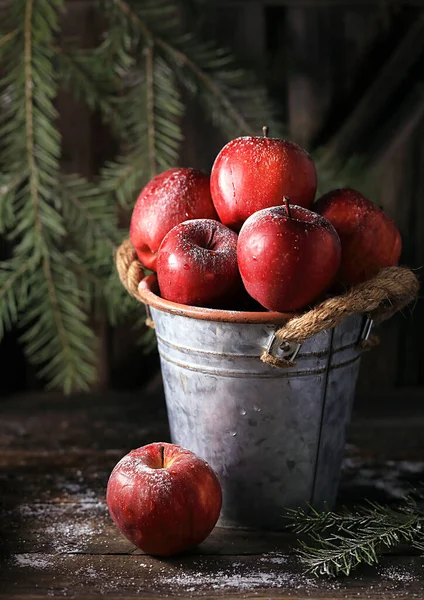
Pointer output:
x,y
57,539
33,576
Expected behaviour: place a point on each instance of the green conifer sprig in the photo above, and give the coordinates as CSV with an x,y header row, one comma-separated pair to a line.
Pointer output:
x,y
338,542
64,229
40,289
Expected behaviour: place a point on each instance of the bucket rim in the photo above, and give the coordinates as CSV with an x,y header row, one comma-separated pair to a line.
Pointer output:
x,y
147,292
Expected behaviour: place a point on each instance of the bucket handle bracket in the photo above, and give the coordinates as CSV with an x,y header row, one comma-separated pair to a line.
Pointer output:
x,y
367,328
288,350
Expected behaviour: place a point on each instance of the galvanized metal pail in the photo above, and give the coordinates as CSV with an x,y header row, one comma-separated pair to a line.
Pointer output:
x,y
275,437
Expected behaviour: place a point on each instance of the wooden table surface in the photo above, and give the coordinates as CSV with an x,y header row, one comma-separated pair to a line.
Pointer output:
x,y
57,539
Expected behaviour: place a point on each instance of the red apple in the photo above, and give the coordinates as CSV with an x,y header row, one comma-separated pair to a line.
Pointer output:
x,y
164,498
167,200
370,240
197,264
252,173
288,256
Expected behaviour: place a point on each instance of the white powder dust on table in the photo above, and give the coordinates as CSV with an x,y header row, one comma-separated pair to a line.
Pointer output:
x,y
65,527
33,560
238,576
397,574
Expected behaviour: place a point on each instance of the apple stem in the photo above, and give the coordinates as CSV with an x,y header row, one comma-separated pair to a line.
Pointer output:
x,y
162,452
286,202
265,130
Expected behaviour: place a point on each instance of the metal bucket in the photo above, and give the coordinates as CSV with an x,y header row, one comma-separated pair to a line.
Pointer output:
x,y
275,437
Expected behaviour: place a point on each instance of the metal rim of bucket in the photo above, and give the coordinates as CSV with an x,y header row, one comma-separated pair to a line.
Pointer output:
x,y
148,287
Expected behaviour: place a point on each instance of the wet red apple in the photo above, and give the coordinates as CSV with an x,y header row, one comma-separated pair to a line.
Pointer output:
x,y
370,240
167,200
197,264
252,173
164,498
288,256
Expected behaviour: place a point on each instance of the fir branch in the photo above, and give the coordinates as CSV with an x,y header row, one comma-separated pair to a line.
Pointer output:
x,y
84,76
51,313
152,115
343,552
123,306
150,109
151,104
311,520
13,291
29,117
339,542
86,213
183,54
65,228
8,187
182,58
4,39
122,178
92,224
34,192
419,544
67,360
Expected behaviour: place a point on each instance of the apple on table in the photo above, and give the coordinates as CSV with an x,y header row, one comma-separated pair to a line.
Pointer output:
x,y
164,498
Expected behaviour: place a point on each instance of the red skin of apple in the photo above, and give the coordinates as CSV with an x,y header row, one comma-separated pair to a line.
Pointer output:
x,y
167,200
286,263
370,240
197,264
164,498
252,173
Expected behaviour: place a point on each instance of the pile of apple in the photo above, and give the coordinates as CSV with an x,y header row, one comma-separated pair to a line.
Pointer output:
x,y
254,226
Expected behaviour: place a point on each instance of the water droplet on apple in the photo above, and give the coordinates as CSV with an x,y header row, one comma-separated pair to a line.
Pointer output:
x,y
234,433
254,258
257,409
279,234
186,267
243,412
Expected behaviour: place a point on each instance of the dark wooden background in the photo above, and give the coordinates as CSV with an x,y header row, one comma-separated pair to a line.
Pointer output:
x,y
347,76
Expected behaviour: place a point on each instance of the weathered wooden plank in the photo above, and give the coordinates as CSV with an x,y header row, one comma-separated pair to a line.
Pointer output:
x,y
58,539
271,575
398,151
58,509
116,420
85,527
48,422
411,360
385,83
302,3
392,137
308,86
250,33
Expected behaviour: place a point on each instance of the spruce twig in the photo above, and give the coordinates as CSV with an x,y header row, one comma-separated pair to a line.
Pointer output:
x,y
338,542
150,92
183,59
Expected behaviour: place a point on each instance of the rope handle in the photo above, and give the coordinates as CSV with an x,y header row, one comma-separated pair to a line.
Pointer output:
x,y
389,291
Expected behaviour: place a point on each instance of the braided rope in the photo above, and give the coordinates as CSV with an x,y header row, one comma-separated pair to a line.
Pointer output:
x,y
389,291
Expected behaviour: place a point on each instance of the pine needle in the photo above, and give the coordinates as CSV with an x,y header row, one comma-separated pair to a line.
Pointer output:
x,y
338,542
